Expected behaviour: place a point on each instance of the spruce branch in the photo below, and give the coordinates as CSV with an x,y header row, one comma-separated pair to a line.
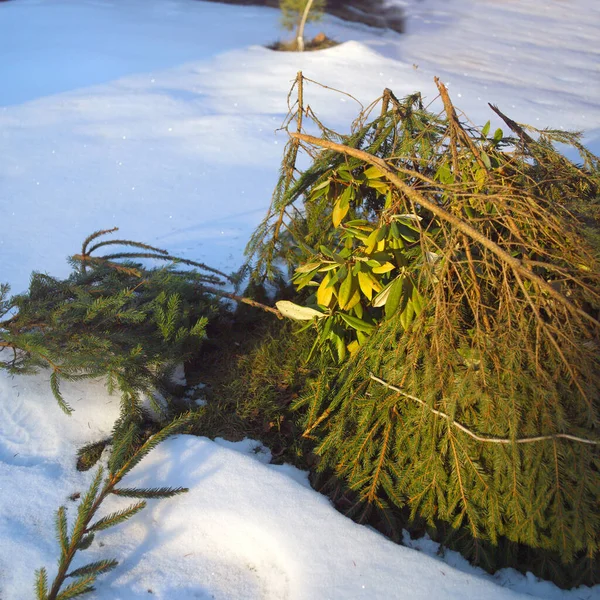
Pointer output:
x,y
41,587
116,517
83,530
149,493
96,568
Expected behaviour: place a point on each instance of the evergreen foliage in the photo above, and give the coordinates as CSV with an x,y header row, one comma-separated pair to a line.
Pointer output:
x,y
252,374
450,275
296,13
128,449
113,317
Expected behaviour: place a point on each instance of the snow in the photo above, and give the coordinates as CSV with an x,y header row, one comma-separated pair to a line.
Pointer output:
x,y
160,117
245,530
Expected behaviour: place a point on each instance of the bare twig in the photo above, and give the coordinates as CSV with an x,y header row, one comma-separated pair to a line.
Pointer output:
x,y
479,438
243,300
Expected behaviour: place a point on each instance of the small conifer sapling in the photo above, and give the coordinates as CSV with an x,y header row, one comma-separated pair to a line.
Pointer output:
x,y
296,13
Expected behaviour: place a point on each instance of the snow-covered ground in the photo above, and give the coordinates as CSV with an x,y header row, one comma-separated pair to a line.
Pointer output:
x,y
159,116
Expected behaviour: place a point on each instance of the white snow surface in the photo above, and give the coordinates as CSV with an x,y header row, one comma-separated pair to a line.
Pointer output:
x,y
160,117
245,530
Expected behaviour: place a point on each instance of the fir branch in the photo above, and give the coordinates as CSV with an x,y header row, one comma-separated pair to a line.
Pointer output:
x,y
93,236
172,428
149,493
96,568
122,446
83,532
119,516
41,586
78,588
61,530
126,243
175,259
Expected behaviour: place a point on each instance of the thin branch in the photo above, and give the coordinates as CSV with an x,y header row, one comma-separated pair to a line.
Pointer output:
x,y
479,438
243,300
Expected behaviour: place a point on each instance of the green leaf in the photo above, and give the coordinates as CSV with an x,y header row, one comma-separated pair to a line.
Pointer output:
x,y
342,206
407,233
354,299
480,178
344,175
373,173
383,295
320,190
328,267
346,291
321,185
326,251
498,135
325,291
357,324
340,346
380,186
397,291
444,174
372,241
407,315
418,301
386,267
359,310
486,160
308,267
304,279
296,312
366,284
360,224
486,129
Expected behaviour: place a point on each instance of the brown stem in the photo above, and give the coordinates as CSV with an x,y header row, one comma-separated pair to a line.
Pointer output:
x,y
243,300
73,546
455,123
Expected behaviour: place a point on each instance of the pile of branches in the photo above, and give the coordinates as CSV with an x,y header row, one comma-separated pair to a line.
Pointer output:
x,y
478,415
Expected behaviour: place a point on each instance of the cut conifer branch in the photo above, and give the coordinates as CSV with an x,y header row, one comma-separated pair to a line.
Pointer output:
x,y
84,529
116,318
